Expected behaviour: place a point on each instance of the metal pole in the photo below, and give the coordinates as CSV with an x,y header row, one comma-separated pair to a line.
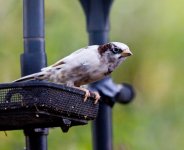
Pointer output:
x,y
97,18
102,129
33,59
36,139
102,126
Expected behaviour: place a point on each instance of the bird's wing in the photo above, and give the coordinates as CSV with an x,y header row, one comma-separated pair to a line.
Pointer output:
x,y
76,58
64,60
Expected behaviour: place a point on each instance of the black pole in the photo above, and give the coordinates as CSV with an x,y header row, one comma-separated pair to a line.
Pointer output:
x,y
97,20
102,126
36,139
33,59
102,129
97,16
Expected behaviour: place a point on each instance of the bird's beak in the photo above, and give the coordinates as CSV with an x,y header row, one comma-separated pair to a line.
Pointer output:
x,y
126,53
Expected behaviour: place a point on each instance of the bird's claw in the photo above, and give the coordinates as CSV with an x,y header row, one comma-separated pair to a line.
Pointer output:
x,y
97,97
87,94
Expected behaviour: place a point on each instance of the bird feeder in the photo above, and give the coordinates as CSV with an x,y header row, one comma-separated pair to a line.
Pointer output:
x,y
36,106
42,104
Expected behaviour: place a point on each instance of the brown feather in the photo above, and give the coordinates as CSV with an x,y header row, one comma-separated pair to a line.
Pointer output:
x,y
103,48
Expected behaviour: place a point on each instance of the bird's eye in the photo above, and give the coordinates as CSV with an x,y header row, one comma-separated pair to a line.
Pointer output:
x,y
116,51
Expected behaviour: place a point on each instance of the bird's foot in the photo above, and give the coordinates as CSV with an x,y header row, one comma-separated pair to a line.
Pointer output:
x,y
87,93
97,97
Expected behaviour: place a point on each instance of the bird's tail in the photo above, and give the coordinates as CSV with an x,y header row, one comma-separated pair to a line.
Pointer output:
x,y
34,76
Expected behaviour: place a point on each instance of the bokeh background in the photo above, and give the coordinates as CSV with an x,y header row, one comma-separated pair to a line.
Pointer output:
x,y
154,32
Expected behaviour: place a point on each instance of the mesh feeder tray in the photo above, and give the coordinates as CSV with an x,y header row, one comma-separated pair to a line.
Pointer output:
x,y
37,104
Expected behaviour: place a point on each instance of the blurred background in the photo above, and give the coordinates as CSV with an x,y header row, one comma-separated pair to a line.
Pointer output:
x,y
154,32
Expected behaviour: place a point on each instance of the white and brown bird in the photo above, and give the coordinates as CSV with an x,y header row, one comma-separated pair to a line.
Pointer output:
x,y
84,66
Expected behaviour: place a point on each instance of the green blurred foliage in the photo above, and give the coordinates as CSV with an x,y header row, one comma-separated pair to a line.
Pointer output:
x,y
154,32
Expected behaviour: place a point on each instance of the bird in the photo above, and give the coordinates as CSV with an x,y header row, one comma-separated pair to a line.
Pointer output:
x,y
84,66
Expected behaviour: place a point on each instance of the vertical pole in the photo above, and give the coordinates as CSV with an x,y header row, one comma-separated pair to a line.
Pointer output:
x,y
102,129
97,18
102,126
36,139
33,59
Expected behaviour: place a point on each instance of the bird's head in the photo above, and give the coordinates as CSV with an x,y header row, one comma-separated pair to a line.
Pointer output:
x,y
114,52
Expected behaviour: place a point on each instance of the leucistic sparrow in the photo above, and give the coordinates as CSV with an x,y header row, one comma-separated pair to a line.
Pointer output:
x,y
84,66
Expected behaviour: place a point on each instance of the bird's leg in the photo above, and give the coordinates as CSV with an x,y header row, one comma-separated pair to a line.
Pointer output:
x,y
97,97
87,93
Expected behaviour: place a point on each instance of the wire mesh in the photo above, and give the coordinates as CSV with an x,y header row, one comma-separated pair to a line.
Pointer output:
x,y
43,104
